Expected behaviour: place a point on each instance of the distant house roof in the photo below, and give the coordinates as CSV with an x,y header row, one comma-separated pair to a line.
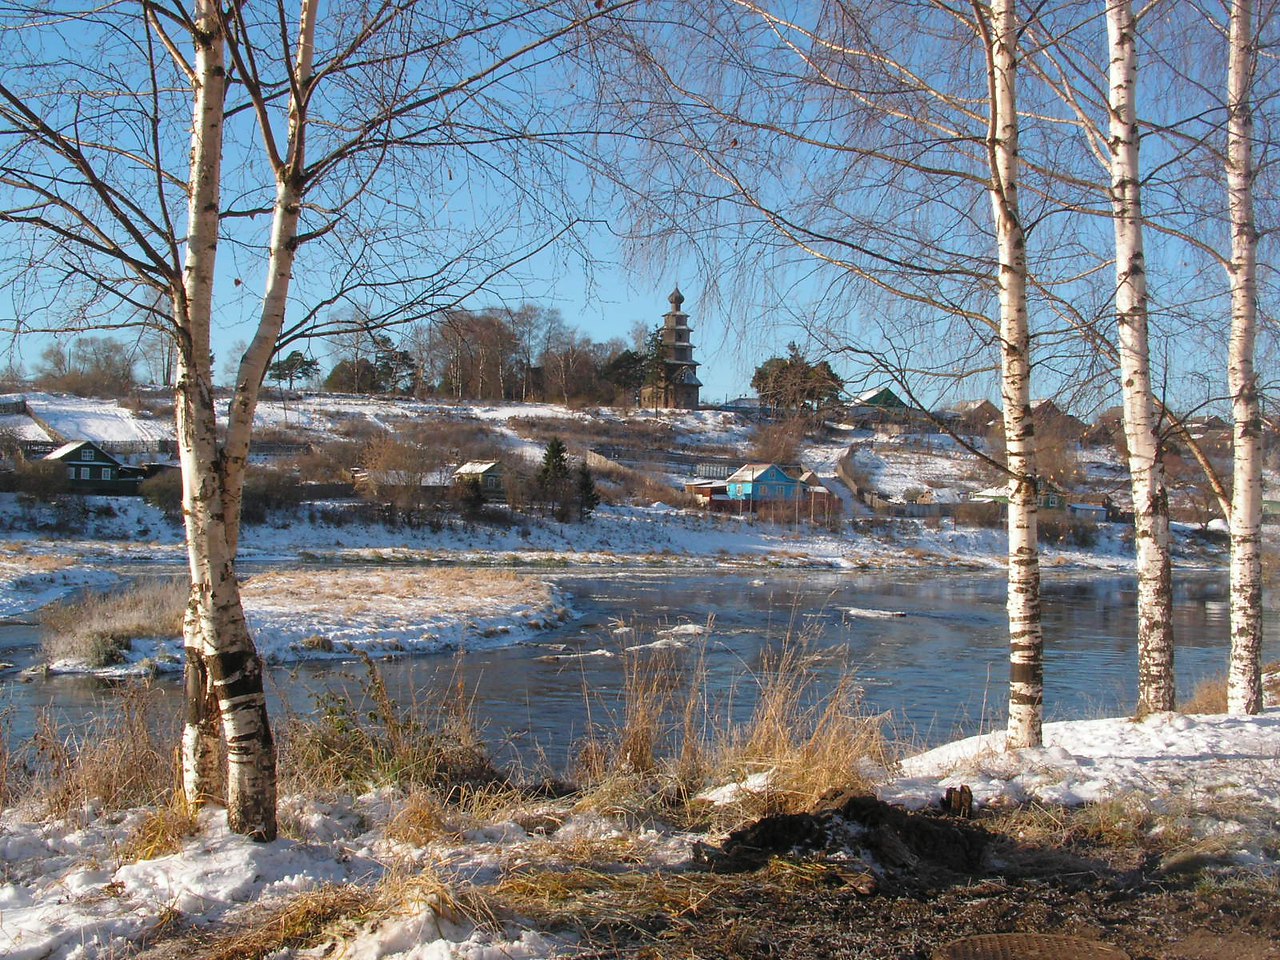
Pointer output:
x,y
744,403
475,468
748,472
969,406
753,471
879,397
74,449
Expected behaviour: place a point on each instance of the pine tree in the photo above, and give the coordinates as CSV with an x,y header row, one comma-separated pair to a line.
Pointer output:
x,y
553,479
588,498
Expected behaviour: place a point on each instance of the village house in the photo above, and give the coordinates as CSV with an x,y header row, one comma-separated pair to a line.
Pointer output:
x,y
1050,496
91,470
758,483
973,417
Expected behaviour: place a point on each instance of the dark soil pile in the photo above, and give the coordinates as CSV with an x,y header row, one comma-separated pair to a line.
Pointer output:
x,y
938,879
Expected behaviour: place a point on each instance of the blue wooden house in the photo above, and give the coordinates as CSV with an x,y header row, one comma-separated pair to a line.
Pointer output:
x,y
763,483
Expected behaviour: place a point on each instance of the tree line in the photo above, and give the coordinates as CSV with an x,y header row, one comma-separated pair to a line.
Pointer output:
x,y
527,353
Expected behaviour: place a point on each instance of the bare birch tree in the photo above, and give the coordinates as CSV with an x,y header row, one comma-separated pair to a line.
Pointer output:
x,y
336,124
1201,133
1244,674
1156,691
873,148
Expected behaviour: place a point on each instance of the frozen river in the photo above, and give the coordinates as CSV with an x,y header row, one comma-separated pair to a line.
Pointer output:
x,y
928,648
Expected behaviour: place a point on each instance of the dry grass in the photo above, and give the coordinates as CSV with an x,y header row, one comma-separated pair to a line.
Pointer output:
x,y
19,559
162,832
335,912
421,820
354,592
1210,695
304,921
1130,821
586,899
672,743
121,760
98,629
368,739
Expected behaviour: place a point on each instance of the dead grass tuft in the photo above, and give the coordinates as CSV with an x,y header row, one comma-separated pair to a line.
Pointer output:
x,y
161,832
672,743
99,628
121,760
420,821
811,745
368,739
304,921
1210,695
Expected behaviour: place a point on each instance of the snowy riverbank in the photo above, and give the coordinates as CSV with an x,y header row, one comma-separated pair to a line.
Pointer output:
x,y
66,895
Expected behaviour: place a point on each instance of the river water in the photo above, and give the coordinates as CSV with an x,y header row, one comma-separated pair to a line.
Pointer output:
x,y
928,648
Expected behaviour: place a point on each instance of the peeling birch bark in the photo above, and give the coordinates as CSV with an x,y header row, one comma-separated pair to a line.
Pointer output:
x,y
1026,638
1244,672
1150,498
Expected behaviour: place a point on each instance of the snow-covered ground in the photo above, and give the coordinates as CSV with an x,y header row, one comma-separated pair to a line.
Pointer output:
x,y
67,894
81,418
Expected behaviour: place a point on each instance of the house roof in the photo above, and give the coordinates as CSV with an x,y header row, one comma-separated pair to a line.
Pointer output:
x,y
67,449
753,471
879,397
969,406
475,468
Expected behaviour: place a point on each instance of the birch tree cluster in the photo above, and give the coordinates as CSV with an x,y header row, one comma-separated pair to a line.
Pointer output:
x,y
1072,197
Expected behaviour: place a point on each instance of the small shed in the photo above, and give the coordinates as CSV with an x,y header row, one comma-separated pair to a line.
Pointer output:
x,y
1090,511
91,470
487,473
822,499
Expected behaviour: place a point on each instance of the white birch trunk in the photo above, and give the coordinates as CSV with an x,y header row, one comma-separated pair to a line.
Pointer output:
x,y
1026,639
1244,674
1150,498
224,673
193,305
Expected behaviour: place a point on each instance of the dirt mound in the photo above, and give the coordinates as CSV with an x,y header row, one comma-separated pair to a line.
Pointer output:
x,y
922,848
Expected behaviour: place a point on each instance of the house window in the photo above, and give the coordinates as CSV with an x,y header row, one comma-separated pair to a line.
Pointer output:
x,y
87,454
71,473
106,473
84,473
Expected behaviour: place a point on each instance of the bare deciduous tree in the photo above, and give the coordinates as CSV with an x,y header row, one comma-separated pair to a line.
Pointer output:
x,y
347,131
872,150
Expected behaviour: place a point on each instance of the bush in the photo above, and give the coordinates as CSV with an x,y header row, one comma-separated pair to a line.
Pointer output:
x,y
368,739
164,492
976,514
41,480
1062,529
268,491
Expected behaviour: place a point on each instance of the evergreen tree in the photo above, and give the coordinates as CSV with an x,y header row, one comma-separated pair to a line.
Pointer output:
x,y
553,479
588,498
656,371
